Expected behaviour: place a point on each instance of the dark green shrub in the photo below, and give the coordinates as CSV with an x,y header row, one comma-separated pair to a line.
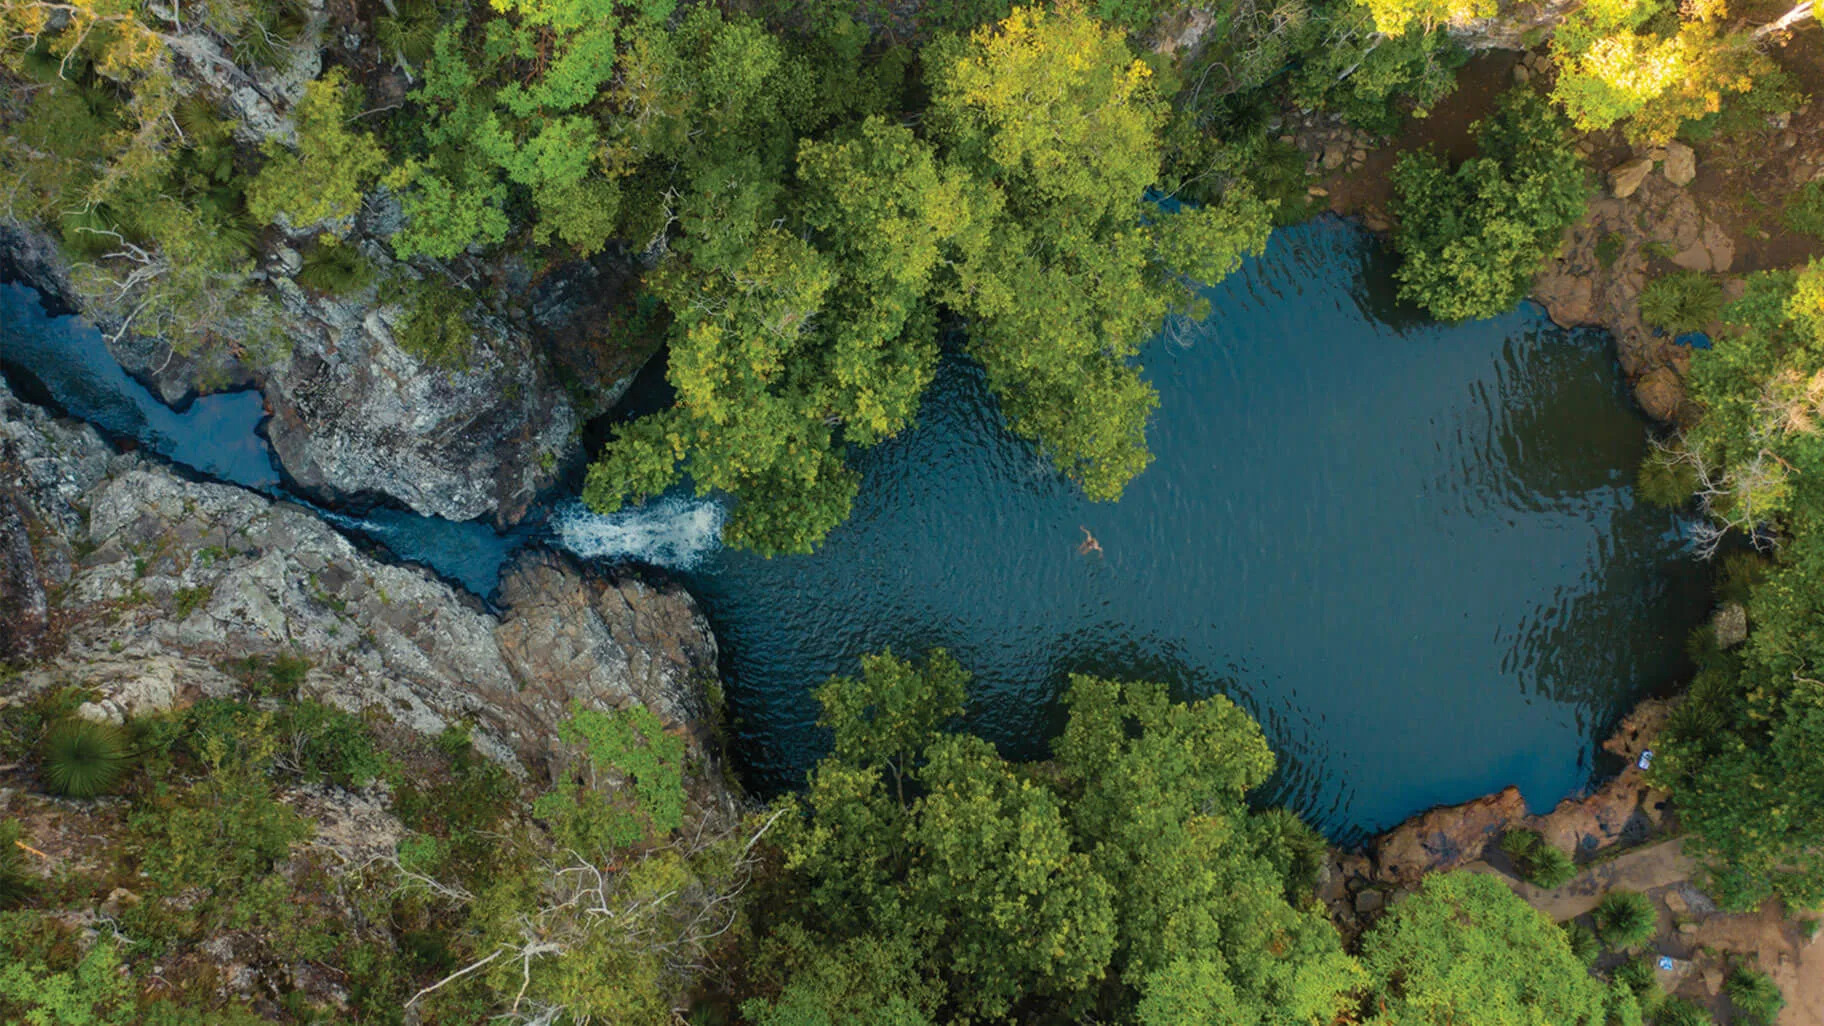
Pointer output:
x,y
434,325
329,744
1681,301
1754,996
1639,977
1372,80
1472,237
1804,213
1626,919
1540,863
1583,941
16,881
82,759
1666,479
1677,1011
336,268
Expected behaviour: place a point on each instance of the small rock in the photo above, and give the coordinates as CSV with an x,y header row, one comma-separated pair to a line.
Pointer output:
x,y
288,261
1681,163
1521,75
1360,155
1693,258
1731,625
1334,155
1676,902
99,712
1656,154
1369,901
1624,180
1687,928
119,898
1317,191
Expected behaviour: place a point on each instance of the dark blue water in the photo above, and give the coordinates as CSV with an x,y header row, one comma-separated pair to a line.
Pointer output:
x,y
1412,550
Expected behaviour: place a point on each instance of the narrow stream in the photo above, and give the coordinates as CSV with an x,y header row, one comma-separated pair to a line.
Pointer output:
x,y
1412,550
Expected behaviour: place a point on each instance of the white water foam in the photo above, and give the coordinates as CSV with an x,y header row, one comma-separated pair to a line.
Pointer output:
x,y
674,533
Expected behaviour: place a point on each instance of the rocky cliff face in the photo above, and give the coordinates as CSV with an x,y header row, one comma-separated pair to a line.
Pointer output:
x,y
125,579
355,415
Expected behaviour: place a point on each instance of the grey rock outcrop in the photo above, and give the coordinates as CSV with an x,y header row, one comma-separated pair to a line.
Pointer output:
x,y
162,584
357,417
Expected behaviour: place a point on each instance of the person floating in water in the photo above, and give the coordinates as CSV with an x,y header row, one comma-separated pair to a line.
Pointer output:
x,y
1090,544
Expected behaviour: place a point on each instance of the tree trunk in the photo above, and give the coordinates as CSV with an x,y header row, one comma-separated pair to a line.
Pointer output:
x,y
1799,13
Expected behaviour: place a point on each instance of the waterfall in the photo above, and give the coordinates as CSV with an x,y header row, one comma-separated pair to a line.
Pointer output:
x,y
675,532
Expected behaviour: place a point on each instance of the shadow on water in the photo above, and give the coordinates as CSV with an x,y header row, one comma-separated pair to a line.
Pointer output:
x,y
1411,550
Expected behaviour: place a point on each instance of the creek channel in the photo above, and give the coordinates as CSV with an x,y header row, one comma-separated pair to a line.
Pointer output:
x,y
1412,550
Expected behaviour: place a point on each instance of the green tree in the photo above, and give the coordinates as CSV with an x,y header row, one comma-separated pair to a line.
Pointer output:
x,y
1471,238
1642,62
331,169
808,273
1464,950
1127,874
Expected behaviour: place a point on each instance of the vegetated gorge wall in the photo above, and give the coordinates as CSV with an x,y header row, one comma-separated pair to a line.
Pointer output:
x,y
355,417
121,577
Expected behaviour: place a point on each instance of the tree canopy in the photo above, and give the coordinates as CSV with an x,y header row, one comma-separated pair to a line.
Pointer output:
x,y
928,879
809,281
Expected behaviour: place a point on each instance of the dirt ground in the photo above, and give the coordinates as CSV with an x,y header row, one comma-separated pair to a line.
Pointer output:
x,y
1703,940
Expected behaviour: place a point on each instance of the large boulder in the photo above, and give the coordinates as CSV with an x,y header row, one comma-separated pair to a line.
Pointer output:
x,y
1660,392
1445,838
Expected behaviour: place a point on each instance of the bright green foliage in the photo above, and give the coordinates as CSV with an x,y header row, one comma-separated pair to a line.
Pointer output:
x,y
508,98
1542,864
1754,996
1472,238
1636,61
1464,950
40,989
1625,919
1400,17
1075,281
1681,301
887,717
805,308
324,180
629,748
1742,753
1126,873
83,759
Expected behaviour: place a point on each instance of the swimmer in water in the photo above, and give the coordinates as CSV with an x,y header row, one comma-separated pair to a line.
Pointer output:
x,y
1090,544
